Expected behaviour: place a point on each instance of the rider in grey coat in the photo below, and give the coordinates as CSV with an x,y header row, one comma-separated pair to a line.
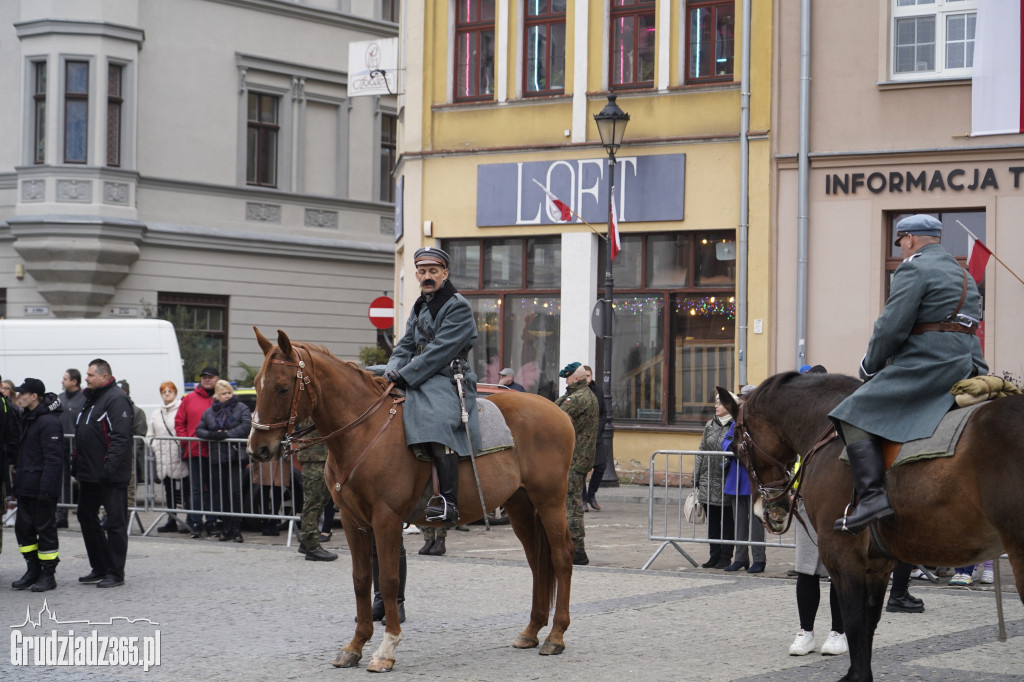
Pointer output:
x,y
440,329
923,342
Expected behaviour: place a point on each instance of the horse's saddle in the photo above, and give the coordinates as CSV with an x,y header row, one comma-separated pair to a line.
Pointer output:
x,y
942,443
495,435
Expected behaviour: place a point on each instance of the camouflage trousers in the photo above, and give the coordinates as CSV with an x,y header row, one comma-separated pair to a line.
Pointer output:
x,y
574,508
315,497
430,534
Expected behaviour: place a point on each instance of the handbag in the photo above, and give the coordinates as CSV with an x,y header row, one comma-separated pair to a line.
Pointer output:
x,y
693,510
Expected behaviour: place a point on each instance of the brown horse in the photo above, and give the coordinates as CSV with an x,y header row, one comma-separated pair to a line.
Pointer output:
x,y
950,511
377,483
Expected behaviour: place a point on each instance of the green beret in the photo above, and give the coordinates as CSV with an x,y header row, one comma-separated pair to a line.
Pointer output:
x,y
569,370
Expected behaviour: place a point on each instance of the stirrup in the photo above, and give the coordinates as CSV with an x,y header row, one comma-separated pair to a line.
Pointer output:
x,y
840,525
446,510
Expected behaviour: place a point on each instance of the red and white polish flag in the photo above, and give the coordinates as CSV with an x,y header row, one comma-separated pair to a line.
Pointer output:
x,y
613,232
977,258
564,212
996,86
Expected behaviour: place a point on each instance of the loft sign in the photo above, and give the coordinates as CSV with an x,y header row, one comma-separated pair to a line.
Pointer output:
x,y
647,189
957,180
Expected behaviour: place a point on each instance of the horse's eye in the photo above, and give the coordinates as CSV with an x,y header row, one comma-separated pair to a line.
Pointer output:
x,y
282,390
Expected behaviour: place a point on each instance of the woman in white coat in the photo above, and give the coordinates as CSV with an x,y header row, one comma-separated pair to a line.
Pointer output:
x,y
171,470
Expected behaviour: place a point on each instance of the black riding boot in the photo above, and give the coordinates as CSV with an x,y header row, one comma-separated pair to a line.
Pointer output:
x,y
47,579
444,507
869,480
33,573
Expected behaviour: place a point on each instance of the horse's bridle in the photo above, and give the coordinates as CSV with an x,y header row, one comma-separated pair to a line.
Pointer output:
x,y
773,491
301,381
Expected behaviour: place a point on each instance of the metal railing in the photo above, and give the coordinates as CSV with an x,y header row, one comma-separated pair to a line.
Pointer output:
x,y
666,518
225,485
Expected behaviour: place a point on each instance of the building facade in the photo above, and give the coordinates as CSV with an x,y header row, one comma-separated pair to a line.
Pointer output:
x,y
890,111
497,108
197,158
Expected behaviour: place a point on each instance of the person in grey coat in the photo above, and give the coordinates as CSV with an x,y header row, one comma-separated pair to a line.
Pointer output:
x,y
924,341
440,330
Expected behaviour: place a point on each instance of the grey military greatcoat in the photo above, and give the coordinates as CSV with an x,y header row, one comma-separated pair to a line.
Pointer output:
x,y
906,398
432,412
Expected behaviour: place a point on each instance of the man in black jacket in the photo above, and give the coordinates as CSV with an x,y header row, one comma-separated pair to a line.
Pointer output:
x,y
10,429
102,463
71,400
40,463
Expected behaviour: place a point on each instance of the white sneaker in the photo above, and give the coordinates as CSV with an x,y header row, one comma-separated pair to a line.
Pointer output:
x,y
835,644
411,530
803,644
918,574
987,576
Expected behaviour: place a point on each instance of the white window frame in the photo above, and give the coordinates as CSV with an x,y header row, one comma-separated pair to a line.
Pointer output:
x,y
941,10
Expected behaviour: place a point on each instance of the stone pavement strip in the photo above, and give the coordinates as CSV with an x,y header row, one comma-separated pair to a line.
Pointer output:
x,y
258,611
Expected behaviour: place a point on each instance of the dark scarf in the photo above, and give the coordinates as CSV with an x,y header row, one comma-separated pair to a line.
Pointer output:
x,y
221,412
436,300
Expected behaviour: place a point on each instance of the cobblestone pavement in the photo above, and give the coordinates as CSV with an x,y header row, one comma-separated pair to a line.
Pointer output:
x,y
258,611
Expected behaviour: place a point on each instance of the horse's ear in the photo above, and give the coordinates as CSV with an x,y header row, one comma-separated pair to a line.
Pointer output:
x,y
725,397
284,343
264,342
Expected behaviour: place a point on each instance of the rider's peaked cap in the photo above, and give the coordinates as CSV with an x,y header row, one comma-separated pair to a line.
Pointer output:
x,y
920,224
431,254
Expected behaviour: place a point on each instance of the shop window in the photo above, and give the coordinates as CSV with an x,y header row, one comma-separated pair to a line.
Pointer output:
x,y
474,50
200,322
633,43
933,38
675,319
514,287
710,32
544,49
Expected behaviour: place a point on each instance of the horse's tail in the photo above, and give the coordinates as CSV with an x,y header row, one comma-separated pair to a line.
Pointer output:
x,y
544,579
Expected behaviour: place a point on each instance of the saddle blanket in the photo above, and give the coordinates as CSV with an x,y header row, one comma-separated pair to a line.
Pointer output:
x,y
495,435
942,443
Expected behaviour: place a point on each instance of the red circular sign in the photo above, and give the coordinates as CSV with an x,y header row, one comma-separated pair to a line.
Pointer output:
x,y
382,312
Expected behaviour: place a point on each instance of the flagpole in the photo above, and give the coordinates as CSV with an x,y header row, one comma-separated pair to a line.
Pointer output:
x,y
998,260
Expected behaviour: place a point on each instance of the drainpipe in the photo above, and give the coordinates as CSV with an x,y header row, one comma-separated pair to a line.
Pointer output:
x,y
803,170
744,226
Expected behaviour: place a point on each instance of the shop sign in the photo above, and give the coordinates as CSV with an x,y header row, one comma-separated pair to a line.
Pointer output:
x,y
895,182
647,188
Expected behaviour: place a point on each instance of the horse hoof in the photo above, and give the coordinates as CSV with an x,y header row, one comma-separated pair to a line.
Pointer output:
x,y
525,642
346,659
380,665
551,649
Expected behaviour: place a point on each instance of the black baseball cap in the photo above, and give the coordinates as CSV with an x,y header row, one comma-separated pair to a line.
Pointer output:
x,y
209,369
31,386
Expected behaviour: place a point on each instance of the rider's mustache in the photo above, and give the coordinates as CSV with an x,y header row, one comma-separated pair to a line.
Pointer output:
x,y
428,282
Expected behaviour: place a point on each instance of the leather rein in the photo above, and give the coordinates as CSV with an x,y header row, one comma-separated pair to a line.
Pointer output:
x,y
773,491
294,440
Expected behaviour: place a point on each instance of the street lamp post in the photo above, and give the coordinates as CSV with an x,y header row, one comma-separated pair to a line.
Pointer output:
x,y
611,126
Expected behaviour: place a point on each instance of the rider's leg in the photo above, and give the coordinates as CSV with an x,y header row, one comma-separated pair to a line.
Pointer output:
x,y
868,465
444,507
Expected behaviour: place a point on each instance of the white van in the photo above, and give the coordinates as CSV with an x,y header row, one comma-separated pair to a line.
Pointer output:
x,y
143,352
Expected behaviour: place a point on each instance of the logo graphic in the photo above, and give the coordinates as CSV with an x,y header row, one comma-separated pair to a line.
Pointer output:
x,y
66,648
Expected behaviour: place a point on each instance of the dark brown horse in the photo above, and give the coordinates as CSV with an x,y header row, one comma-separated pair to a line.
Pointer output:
x,y
950,511
376,482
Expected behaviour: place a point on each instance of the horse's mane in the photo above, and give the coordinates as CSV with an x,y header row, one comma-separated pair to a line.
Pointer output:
x,y
799,398
373,382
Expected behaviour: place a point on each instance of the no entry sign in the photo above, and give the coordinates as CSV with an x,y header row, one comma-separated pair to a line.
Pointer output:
x,y
382,312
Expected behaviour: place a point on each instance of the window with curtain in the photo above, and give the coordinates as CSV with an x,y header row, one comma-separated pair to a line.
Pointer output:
x,y
544,49
76,111
474,50
633,43
710,40
261,140
115,74
39,112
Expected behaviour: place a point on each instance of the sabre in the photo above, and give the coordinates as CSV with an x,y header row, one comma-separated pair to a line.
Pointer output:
x,y
459,377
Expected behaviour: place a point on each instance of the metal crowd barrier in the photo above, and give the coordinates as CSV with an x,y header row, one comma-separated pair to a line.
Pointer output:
x,y
666,518
230,489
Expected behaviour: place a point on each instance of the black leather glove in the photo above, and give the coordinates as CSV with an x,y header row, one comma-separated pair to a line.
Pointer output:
x,y
218,435
393,376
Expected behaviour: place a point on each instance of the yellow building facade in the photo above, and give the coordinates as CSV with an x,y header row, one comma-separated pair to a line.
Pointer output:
x,y
497,107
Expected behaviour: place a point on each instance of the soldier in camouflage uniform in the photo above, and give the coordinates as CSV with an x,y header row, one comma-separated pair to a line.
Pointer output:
x,y
433,541
315,497
580,403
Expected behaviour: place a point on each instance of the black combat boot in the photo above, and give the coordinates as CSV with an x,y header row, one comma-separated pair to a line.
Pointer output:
x,y
438,548
869,480
444,507
47,580
33,573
